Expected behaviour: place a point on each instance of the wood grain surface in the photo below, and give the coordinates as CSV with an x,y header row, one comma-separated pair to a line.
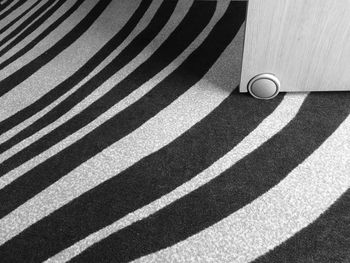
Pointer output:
x,y
304,43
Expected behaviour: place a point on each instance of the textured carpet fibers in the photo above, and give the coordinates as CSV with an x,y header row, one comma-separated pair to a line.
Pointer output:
x,y
123,137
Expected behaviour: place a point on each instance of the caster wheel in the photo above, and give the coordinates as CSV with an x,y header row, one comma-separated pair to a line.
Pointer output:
x,y
264,86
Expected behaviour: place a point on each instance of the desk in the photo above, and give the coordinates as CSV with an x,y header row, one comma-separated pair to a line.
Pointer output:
x,y
305,44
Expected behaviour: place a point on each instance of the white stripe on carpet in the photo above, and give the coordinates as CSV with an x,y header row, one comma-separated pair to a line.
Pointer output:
x,y
175,19
8,19
44,44
9,6
85,39
159,131
51,74
298,200
281,116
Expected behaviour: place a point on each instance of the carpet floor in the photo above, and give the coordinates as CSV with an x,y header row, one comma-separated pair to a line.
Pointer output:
x,y
123,137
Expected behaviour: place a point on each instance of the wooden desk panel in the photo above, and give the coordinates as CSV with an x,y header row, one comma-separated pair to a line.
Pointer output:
x,y
305,43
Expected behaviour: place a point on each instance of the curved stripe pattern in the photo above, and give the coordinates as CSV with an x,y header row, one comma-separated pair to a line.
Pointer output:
x,y
42,35
331,244
34,26
93,55
250,142
167,52
143,149
277,215
127,101
71,126
68,25
233,189
13,8
102,118
5,4
195,94
122,143
26,71
118,62
23,28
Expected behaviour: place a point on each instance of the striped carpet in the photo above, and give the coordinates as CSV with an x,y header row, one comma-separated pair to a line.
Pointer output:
x,y
123,138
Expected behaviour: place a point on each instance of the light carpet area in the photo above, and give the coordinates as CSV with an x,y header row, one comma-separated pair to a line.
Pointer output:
x,y
123,137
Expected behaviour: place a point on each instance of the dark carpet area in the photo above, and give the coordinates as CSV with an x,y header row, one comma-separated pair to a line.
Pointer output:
x,y
123,137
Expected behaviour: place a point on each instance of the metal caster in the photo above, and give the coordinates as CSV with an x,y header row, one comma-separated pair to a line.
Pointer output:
x,y
264,86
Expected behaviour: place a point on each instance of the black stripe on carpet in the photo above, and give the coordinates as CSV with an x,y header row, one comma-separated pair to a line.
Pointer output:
x,y
325,240
26,22
42,35
168,51
80,74
149,179
233,189
4,5
34,26
12,9
26,71
183,78
97,107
